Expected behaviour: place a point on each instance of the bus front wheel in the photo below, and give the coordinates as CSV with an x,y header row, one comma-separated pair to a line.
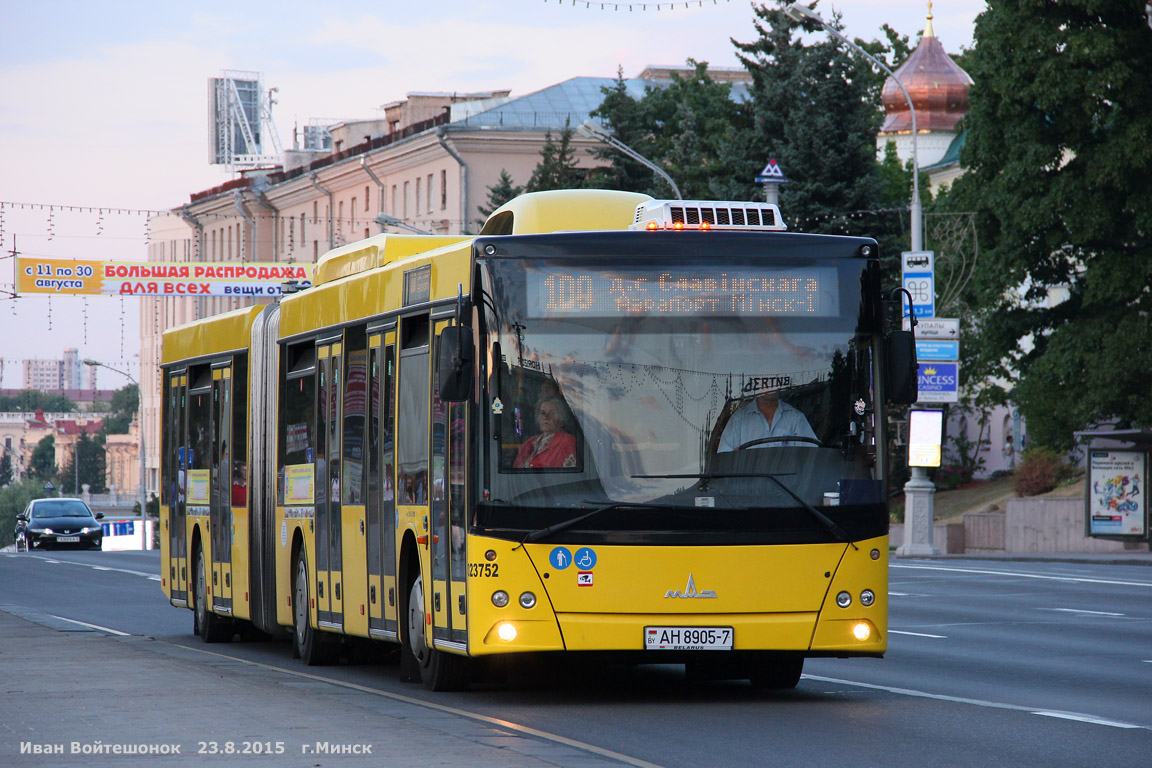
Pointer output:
x,y
439,671
775,674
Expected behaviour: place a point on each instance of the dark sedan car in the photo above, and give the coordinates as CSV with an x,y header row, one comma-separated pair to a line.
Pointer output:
x,y
48,523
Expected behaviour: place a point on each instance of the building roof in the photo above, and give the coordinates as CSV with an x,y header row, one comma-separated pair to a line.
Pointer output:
x,y
572,100
951,155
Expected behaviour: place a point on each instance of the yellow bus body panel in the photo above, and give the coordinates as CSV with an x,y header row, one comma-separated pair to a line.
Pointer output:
x,y
571,210
377,251
215,335
372,293
354,576
779,597
241,607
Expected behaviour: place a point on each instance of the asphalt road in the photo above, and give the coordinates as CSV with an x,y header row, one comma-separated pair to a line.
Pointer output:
x,y
989,663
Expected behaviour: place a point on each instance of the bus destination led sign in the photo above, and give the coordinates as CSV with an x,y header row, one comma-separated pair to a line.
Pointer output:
x,y
564,292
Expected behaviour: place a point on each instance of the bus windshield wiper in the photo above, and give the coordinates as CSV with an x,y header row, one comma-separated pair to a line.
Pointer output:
x,y
825,522
544,533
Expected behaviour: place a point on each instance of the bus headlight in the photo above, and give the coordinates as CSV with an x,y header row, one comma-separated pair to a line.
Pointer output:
x,y
844,599
862,631
867,597
499,598
527,600
506,632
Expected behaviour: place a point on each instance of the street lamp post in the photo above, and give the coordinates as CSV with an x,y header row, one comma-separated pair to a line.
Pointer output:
x,y
143,492
801,13
919,490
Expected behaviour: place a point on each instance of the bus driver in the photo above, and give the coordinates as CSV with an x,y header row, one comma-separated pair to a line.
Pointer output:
x,y
766,416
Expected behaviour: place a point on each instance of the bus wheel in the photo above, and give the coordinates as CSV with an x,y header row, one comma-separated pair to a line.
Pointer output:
x,y
210,627
439,671
777,673
306,643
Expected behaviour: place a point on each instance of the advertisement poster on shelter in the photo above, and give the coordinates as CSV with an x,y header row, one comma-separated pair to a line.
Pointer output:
x,y
1117,493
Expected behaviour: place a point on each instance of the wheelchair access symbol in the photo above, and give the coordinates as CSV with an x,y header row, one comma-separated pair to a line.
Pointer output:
x,y
585,558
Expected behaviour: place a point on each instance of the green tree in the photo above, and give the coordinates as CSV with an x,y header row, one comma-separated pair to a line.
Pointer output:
x,y
1059,157
692,128
42,466
124,406
501,192
817,111
6,472
92,460
29,400
557,168
13,500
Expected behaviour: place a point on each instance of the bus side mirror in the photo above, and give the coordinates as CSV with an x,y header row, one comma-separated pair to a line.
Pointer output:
x,y
901,368
457,354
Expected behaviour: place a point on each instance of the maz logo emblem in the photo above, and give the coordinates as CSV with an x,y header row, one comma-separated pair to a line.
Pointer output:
x,y
690,591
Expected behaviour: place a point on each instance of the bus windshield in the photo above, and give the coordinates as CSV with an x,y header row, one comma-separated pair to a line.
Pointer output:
x,y
686,399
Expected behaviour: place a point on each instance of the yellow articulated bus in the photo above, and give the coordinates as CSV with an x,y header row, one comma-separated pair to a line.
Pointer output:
x,y
652,430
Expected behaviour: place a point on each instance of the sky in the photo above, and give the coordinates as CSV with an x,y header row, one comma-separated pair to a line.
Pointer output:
x,y
103,105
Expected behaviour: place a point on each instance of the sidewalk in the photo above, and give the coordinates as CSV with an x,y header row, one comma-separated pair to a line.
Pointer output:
x,y
75,696
1090,558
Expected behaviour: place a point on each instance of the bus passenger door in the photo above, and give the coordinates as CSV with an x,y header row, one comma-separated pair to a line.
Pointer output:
x,y
220,505
330,612
449,428
177,520
412,453
381,498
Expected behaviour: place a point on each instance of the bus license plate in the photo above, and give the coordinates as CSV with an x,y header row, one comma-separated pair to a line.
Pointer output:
x,y
688,638
68,539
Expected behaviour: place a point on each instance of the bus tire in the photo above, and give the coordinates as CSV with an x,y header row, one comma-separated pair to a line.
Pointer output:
x,y
439,671
307,645
210,627
777,673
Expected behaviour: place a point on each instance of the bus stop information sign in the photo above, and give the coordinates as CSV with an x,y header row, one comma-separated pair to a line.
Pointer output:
x,y
1117,493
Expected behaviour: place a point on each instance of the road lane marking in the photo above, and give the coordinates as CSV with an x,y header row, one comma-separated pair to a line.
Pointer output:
x,y
523,729
1086,719
1088,613
1048,577
916,634
93,626
99,567
979,702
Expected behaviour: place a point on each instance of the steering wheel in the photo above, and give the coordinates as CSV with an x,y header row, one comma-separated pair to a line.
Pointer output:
x,y
779,439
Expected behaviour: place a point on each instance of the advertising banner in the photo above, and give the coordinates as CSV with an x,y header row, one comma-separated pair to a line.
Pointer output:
x,y
70,277
1117,493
